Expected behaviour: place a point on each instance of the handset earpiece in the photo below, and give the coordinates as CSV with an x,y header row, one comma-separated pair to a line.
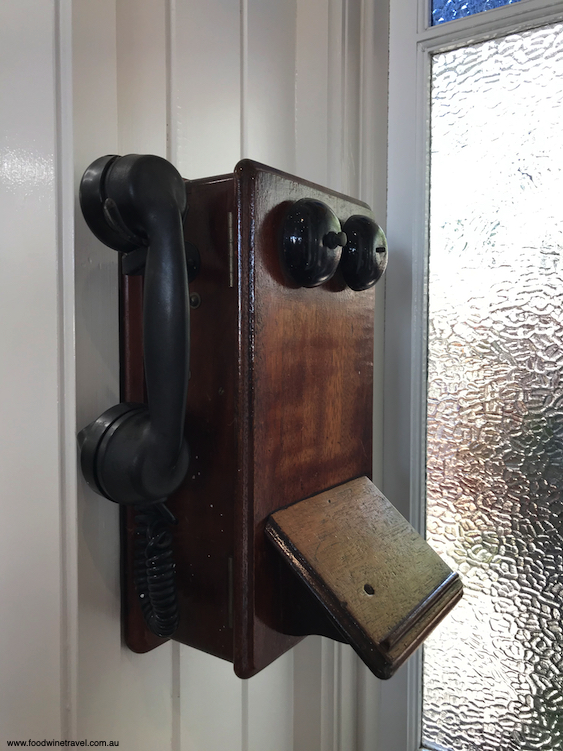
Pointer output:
x,y
132,453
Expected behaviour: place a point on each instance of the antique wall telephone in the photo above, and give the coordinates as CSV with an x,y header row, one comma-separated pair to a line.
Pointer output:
x,y
267,528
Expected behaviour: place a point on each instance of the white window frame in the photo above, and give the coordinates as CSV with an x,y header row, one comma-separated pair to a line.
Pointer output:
x,y
412,42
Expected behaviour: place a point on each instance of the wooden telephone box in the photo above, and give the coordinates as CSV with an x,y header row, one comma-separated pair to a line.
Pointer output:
x,y
279,410
265,465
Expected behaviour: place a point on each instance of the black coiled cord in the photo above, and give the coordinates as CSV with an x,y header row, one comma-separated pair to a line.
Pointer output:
x,y
154,568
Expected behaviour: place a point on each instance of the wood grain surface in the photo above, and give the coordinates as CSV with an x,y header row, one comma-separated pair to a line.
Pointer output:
x,y
306,392
279,408
383,585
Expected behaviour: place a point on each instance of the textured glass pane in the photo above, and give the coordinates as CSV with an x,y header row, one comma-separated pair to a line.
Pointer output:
x,y
493,672
449,10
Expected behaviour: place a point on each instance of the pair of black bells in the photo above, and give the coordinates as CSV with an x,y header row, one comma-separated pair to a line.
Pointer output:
x,y
314,246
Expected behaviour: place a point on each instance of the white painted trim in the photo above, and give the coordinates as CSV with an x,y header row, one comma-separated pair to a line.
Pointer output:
x,y
31,660
373,99
405,378
411,44
357,164
67,369
515,17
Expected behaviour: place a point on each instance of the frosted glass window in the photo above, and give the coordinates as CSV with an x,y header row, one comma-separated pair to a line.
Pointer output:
x,y
493,671
449,10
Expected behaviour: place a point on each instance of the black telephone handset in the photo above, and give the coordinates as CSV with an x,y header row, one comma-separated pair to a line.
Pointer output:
x,y
137,453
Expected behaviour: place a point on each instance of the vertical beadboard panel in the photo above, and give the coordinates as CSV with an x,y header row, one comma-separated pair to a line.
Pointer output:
x,y
221,95
351,59
270,707
317,102
205,108
324,696
120,695
346,680
30,636
211,703
268,116
142,85
307,698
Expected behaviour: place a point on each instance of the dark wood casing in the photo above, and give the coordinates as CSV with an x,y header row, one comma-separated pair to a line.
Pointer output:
x,y
279,410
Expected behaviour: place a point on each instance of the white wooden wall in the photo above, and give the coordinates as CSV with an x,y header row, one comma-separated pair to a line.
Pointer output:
x,y
298,84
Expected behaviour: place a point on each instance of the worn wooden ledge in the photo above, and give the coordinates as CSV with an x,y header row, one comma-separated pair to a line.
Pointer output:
x,y
382,585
